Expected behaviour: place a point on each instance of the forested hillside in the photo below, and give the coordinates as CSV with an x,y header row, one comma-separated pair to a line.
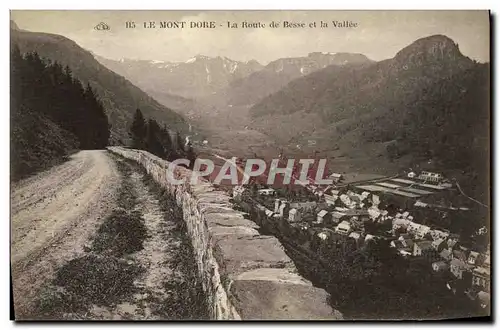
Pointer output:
x,y
52,114
150,136
428,104
119,96
447,122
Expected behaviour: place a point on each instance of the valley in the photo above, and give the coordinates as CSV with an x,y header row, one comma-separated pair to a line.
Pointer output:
x,y
362,115
342,106
401,229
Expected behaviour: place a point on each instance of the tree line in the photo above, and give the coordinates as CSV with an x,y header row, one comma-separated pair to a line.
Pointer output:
x,y
52,114
150,136
51,90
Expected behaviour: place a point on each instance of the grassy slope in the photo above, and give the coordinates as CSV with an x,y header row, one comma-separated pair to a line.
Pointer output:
x,y
37,143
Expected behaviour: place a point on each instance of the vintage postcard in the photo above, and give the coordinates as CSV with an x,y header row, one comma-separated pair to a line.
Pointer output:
x,y
250,165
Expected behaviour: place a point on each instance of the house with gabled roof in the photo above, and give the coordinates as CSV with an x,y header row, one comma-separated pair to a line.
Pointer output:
x,y
422,231
294,215
336,177
412,227
473,258
482,277
438,234
343,228
422,247
322,216
400,223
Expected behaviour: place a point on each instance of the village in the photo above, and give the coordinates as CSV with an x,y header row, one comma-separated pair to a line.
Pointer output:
x,y
411,214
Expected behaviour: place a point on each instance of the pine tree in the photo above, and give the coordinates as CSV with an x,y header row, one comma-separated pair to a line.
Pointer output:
x,y
98,133
138,130
180,143
153,135
168,146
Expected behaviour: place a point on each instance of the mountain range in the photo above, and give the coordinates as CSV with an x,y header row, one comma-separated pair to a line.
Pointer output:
x,y
220,80
198,77
279,73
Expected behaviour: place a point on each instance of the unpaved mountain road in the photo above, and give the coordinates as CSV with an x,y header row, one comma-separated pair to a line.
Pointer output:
x,y
53,215
94,238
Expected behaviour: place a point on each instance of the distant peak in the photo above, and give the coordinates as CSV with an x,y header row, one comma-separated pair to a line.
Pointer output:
x,y
226,59
313,54
202,57
435,47
253,62
437,40
198,57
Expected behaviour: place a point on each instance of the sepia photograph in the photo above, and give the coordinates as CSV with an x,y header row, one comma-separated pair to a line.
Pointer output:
x,y
245,165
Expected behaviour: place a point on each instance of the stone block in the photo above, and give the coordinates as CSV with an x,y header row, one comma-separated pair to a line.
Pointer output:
x,y
237,254
228,220
266,299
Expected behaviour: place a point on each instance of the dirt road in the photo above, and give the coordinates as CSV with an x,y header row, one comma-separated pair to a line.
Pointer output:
x,y
94,238
53,214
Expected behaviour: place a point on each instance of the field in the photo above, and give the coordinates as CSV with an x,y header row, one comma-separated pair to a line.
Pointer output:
x,y
402,187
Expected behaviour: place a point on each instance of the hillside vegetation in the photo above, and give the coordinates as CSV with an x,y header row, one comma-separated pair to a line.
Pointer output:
x,y
52,114
119,97
427,104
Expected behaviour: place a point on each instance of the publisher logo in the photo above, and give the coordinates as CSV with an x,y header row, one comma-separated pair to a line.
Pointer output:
x,y
102,27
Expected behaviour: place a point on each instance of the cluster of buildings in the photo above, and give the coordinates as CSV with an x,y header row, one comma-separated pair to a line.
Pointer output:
x,y
345,215
336,217
341,215
471,269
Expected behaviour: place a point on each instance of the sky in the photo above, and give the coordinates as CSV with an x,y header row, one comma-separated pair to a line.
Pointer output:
x,y
376,34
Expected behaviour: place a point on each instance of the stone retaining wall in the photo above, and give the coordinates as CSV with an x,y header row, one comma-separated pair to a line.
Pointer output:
x,y
245,275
